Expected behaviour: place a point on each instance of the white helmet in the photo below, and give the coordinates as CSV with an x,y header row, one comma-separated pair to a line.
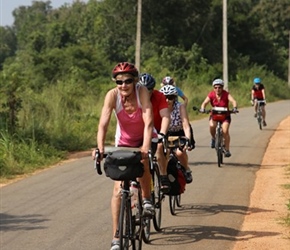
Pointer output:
x,y
218,82
168,90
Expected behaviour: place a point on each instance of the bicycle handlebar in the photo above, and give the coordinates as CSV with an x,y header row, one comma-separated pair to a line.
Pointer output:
x,y
233,111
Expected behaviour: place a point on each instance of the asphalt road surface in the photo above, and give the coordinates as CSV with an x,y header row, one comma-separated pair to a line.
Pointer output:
x,y
68,207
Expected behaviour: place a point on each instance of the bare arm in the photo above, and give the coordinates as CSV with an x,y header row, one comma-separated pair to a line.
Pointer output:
x,y
205,102
147,115
264,95
252,94
233,101
165,114
185,120
109,105
185,100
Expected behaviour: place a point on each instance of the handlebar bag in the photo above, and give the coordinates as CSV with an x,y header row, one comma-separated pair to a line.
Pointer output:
x,y
123,165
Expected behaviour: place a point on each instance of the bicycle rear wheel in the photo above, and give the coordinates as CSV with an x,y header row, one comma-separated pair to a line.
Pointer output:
x,y
157,198
172,204
178,200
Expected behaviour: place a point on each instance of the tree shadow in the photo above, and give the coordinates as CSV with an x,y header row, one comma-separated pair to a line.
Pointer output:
x,y
24,222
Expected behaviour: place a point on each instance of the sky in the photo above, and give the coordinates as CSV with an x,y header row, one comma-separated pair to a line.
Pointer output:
x,y
7,6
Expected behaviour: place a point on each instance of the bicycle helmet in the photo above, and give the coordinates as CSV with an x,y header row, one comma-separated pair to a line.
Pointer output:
x,y
168,90
147,80
257,80
123,68
167,80
218,82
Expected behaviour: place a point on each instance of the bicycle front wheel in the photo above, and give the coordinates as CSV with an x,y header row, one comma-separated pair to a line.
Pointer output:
x,y
125,223
218,147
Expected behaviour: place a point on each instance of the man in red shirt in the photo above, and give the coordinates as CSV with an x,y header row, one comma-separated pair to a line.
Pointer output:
x,y
258,94
220,98
161,118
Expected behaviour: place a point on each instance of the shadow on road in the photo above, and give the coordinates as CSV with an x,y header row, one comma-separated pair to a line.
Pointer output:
x,y
214,164
210,209
23,222
179,235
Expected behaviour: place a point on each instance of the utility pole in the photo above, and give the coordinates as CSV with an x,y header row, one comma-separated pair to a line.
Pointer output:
x,y
225,45
138,36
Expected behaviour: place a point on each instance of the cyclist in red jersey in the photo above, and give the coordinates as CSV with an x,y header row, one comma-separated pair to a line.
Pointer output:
x,y
220,98
258,93
161,118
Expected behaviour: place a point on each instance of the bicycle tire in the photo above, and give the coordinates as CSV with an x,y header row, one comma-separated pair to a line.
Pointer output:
x,y
218,147
259,118
124,223
139,225
178,200
172,204
157,198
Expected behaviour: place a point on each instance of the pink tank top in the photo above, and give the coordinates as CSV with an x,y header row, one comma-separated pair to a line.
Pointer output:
x,y
130,127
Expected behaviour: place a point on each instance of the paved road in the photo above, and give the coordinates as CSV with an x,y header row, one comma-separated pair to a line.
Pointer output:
x,y
68,207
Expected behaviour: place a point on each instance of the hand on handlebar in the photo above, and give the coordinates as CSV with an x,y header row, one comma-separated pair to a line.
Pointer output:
x,y
202,110
235,110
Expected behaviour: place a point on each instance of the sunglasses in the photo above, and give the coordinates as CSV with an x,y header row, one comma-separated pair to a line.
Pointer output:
x,y
127,81
218,87
170,97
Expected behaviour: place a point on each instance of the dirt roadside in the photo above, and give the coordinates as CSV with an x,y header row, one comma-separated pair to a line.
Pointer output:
x,y
263,227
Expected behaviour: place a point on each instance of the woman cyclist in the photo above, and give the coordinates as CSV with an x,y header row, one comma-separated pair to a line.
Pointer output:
x,y
133,110
161,117
220,98
258,94
179,125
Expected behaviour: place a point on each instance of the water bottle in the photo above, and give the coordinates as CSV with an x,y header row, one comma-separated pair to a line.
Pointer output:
x,y
134,197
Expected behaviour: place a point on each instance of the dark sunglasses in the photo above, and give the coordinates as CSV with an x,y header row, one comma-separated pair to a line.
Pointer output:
x,y
127,81
170,97
218,87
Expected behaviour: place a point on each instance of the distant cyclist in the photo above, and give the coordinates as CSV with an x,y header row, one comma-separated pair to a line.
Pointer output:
x,y
179,125
220,98
258,94
167,80
161,118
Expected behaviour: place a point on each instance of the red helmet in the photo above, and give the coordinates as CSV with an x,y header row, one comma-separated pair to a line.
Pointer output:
x,y
123,68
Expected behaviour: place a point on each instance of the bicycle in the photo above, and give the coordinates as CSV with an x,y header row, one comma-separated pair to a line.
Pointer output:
x,y
174,143
218,114
259,113
123,164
